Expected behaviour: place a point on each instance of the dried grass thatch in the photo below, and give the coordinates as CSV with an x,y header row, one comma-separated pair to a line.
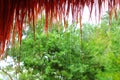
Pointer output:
x,y
13,13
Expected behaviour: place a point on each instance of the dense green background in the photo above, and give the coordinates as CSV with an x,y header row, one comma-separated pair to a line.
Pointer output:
x,y
63,56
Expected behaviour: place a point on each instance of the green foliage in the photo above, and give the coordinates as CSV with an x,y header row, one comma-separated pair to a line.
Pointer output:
x,y
61,56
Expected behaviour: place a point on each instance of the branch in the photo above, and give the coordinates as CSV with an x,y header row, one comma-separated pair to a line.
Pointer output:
x,y
7,74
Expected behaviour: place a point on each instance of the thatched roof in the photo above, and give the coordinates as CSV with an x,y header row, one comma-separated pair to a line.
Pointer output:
x,y
13,13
